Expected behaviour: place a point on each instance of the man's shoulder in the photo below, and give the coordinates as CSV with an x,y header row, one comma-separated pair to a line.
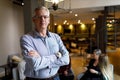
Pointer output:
x,y
53,34
28,35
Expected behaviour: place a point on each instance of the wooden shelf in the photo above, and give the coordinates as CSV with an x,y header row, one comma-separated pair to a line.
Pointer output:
x,y
113,36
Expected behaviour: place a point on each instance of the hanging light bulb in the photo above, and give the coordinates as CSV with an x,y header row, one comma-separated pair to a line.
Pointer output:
x,y
55,3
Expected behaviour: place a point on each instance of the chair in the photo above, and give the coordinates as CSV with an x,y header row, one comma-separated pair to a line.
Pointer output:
x,y
18,72
13,62
15,74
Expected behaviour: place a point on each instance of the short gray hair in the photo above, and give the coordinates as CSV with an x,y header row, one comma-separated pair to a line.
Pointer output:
x,y
97,51
42,8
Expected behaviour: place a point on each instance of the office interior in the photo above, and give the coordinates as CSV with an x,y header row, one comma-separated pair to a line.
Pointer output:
x,y
78,22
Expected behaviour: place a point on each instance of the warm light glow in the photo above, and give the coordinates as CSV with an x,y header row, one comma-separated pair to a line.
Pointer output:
x,y
59,29
93,19
110,21
55,23
113,20
76,15
83,26
71,26
65,22
22,4
93,26
79,21
54,1
109,25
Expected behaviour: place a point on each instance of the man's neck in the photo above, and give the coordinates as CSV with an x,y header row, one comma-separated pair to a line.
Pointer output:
x,y
43,33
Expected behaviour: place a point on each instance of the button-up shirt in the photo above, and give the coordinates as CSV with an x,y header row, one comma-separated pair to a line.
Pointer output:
x,y
47,64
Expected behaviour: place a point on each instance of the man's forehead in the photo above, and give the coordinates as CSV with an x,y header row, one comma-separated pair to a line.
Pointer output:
x,y
41,12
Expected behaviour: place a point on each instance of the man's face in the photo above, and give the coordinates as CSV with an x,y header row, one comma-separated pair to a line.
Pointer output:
x,y
41,19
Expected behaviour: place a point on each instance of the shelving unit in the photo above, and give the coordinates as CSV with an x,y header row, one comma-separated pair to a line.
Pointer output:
x,y
118,35
113,34
107,33
76,36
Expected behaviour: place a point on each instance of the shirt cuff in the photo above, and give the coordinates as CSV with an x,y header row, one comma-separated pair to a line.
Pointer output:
x,y
53,58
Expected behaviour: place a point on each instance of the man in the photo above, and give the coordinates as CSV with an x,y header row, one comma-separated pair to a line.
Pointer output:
x,y
43,51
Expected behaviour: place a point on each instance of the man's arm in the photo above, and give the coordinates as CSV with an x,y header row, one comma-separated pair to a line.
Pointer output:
x,y
64,59
32,57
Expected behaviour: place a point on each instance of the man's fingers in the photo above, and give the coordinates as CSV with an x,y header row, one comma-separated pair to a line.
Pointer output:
x,y
33,53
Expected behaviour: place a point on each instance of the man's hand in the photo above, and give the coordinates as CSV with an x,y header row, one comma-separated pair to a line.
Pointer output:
x,y
65,72
33,53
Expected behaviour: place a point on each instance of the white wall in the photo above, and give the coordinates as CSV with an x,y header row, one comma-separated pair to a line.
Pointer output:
x,y
11,28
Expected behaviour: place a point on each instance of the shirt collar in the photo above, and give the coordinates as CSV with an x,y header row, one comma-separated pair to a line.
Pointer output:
x,y
36,34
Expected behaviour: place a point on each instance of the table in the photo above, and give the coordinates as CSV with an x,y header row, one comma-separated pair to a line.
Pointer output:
x,y
6,68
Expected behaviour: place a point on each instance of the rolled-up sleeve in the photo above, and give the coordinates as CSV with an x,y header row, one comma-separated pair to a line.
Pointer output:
x,y
64,60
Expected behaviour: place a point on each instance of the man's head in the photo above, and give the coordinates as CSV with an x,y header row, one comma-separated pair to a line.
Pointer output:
x,y
41,18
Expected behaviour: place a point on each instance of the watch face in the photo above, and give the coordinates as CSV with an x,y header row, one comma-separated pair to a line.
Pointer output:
x,y
59,55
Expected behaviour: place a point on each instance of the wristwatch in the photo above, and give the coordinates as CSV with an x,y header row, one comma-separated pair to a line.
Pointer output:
x,y
58,55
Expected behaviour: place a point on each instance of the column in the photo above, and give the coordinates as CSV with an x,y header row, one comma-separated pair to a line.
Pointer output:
x,y
29,6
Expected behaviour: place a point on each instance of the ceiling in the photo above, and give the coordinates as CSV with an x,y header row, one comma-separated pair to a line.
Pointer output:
x,y
85,14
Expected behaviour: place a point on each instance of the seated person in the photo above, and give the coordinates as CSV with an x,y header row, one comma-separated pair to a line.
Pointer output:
x,y
66,73
93,71
105,67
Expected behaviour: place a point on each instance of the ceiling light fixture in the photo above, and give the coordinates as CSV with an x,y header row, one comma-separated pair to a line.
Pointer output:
x,y
55,3
76,15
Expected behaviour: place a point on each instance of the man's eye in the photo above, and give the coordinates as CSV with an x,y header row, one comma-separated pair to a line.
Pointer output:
x,y
39,17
